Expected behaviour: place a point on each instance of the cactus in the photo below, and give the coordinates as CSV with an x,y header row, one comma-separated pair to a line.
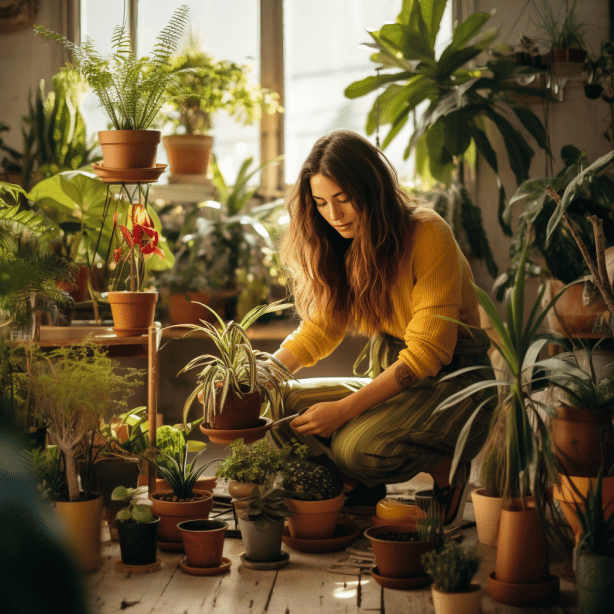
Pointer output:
x,y
312,479
451,568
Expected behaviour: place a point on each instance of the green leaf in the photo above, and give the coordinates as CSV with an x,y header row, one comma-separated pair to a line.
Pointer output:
x,y
123,515
432,12
370,84
120,493
469,28
456,132
142,513
533,125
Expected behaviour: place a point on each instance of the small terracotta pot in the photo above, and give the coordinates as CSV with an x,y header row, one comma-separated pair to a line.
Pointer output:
x,y
133,312
183,308
79,290
239,413
173,512
398,559
536,594
569,315
188,154
80,522
568,55
127,149
577,440
203,541
487,516
469,602
201,484
314,519
522,549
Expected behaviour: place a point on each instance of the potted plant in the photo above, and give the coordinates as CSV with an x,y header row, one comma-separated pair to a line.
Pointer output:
x,y
77,388
206,87
137,528
594,554
452,569
233,384
203,543
315,496
261,522
131,90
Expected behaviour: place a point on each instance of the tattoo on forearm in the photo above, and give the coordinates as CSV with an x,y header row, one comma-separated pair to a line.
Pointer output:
x,y
404,375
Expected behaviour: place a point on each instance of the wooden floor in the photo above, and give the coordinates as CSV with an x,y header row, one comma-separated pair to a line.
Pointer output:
x,y
302,587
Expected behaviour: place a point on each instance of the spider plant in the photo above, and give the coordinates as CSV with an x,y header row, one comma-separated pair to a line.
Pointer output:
x,y
239,367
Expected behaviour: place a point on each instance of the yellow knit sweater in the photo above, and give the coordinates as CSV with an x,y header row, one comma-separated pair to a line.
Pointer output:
x,y
434,279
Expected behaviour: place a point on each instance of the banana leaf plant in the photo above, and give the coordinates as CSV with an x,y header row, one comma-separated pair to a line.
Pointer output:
x,y
456,101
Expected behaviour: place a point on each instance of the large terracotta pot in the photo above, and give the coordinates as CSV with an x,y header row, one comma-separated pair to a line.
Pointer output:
x,y
577,440
127,149
487,512
469,602
184,309
398,559
203,541
80,522
314,519
173,512
239,413
188,154
133,312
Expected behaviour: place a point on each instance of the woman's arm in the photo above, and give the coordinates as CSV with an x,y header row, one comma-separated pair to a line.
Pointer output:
x,y
325,418
288,358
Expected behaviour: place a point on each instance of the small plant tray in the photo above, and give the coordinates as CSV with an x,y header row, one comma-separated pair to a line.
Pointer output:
x,y
150,568
205,571
283,560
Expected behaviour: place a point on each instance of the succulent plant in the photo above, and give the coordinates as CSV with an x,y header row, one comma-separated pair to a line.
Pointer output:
x,y
311,479
451,568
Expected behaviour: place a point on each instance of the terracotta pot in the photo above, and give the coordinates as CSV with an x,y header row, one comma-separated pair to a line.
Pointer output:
x,y
567,497
133,312
469,602
138,542
314,519
80,523
183,308
188,154
487,512
201,484
595,579
239,413
398,559
173,512
127,149
568,55
203,542
577,440
522,549
544,593
79,291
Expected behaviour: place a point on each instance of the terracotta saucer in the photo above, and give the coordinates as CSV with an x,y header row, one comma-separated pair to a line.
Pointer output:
x,y
170,546
345,534
282,561
129,175
248,435
415,581
120,566
521,595
206,571
130,332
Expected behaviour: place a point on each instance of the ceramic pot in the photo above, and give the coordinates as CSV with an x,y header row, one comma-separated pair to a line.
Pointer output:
x,y
469,602
138,542
240,490
128,149
239,413
80,523
183,308
487,512
314,519
567,497
261,546
173,512
203,542
201,484
595,579
133,312
188,154
398,559
522,549
577,440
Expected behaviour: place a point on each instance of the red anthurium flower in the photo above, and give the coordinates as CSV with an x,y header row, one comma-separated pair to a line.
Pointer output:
x,y
117,254
141,217
137,233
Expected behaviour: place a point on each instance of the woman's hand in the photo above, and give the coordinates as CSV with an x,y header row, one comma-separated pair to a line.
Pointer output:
x,y
322,419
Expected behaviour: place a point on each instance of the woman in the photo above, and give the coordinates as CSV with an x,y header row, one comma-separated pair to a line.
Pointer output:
x,y
361,255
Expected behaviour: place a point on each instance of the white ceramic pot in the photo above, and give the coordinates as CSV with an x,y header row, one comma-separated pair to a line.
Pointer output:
x,y
458,603
487,516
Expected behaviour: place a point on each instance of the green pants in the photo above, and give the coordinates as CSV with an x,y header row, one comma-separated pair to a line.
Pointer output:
x,y
397,439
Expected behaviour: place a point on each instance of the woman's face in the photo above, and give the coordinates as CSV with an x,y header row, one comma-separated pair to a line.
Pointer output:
x,y
334,205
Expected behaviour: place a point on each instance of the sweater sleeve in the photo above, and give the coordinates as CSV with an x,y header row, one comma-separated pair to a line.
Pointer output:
x,y
314,339
436,291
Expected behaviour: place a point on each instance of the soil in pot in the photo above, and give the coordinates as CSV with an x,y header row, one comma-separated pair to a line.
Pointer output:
x,y
261,546
203,542
595,579
138,542
133,312
172,511
239,412
314,519
487,512
128,149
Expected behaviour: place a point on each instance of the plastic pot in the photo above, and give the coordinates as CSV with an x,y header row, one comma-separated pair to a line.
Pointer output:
x,y
595,579
487,516
138,542
469,602
314,519
261,546
203,541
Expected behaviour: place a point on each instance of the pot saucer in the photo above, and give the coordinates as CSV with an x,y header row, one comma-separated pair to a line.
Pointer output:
x,y
416,581
520,595
282,561
345,534
206,571
129,175
130,332
170,546
248,435
150,568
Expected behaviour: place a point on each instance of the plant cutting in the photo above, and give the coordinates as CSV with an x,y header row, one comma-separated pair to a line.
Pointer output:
x,y
137,528
131,90
452,570
233,383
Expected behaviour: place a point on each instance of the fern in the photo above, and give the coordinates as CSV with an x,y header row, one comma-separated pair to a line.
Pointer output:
x,y
130,90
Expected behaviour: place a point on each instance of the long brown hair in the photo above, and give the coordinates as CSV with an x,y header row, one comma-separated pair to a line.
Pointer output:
x,y
348,279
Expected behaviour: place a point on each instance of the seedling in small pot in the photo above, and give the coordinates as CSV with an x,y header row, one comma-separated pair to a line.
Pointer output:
x,y
135,512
